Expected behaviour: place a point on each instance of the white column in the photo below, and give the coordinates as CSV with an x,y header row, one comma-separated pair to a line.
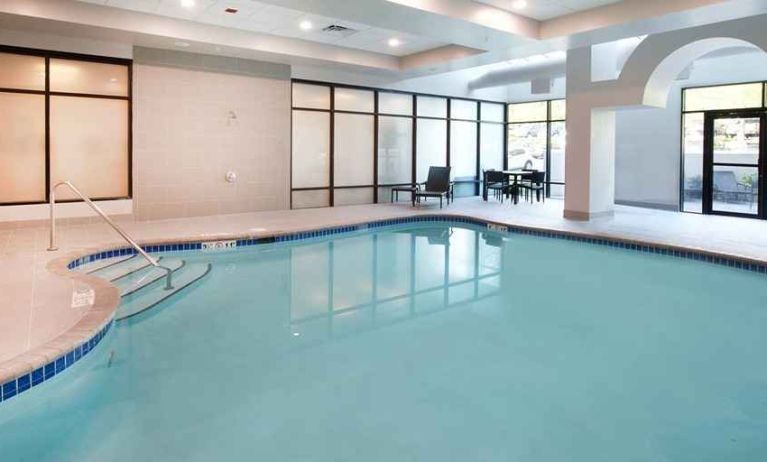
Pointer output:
x,y
590,159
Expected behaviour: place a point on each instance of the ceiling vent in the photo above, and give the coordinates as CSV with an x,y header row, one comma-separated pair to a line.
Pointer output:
x,y
339,31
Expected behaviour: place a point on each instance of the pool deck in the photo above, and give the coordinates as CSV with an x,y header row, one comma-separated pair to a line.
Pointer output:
x,y
38,320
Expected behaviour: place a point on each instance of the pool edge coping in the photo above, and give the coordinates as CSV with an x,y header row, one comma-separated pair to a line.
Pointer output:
x,y
23,371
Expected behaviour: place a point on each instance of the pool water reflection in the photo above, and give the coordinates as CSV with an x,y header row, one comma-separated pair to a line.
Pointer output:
x,y
420,342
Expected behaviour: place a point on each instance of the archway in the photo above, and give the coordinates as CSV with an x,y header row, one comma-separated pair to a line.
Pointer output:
x,y
662,78
645,81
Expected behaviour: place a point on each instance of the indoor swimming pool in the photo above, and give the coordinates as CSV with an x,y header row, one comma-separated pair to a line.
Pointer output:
x,y
432,341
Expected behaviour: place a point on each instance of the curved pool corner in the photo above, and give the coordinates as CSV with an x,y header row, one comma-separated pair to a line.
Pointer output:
x,y
42,363
53,357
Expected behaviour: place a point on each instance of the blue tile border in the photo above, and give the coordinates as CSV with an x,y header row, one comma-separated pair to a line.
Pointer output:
x,y
615,242
34,378
27,381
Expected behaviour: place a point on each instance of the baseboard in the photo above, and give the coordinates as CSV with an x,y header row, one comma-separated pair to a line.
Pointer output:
x,y
121,218
586,216
649,205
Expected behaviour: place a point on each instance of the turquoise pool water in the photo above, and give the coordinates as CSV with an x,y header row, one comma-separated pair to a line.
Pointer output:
x,y
423,342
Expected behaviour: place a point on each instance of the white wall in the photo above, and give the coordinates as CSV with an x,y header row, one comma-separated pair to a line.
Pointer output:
x,y
183,143
648,141
196,118
647,163
520,92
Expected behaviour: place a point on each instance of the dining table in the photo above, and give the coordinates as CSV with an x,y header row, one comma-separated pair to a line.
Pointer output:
x,y
515,176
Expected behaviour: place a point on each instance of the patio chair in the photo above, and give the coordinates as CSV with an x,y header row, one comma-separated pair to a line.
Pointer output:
x,y
536,184
498,182
437,184
727,188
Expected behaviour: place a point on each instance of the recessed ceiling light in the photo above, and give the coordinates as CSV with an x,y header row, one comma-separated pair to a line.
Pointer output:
x,y
182,44
306,25
231,10
394,42
519,4
187,3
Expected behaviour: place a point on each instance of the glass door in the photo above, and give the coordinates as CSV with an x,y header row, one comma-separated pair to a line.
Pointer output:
x,y
733,164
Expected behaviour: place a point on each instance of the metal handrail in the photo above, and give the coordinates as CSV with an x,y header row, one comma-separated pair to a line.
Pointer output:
x,y
97,209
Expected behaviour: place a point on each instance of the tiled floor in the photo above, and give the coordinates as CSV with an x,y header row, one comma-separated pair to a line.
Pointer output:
x,y
35,305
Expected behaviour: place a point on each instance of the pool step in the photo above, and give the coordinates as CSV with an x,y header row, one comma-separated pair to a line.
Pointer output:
x,y
123,268
149,296
97,265
136,280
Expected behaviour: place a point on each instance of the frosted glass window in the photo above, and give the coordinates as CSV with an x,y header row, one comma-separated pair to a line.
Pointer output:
x,y
85,77
557,144
431,146
492,112
463,149
491,147
724,97
395,150
462,109
311,149
558,109
557,191
353,150
429,106
348,99
353,196
311,96
311,199
395,103
22,148
22,72
89,145
528,112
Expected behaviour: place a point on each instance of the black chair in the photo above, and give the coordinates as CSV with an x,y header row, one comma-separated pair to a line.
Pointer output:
x,y
497,182
727,188
411,189
537,184
437,184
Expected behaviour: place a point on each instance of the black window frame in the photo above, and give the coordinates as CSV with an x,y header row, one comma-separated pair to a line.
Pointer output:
x,y
47,94
548,121
413,116
707,161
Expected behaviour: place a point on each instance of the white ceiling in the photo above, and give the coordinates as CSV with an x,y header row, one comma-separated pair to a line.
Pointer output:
x,y
255,16
456,34
543,10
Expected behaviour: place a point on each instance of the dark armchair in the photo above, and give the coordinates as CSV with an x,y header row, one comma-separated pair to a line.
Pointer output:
x,y
437,184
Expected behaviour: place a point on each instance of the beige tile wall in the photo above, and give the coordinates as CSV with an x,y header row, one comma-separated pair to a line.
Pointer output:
x,y
185,140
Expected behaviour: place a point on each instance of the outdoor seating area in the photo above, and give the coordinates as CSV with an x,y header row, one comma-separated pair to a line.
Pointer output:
x,y
437,185
511,184
505,186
